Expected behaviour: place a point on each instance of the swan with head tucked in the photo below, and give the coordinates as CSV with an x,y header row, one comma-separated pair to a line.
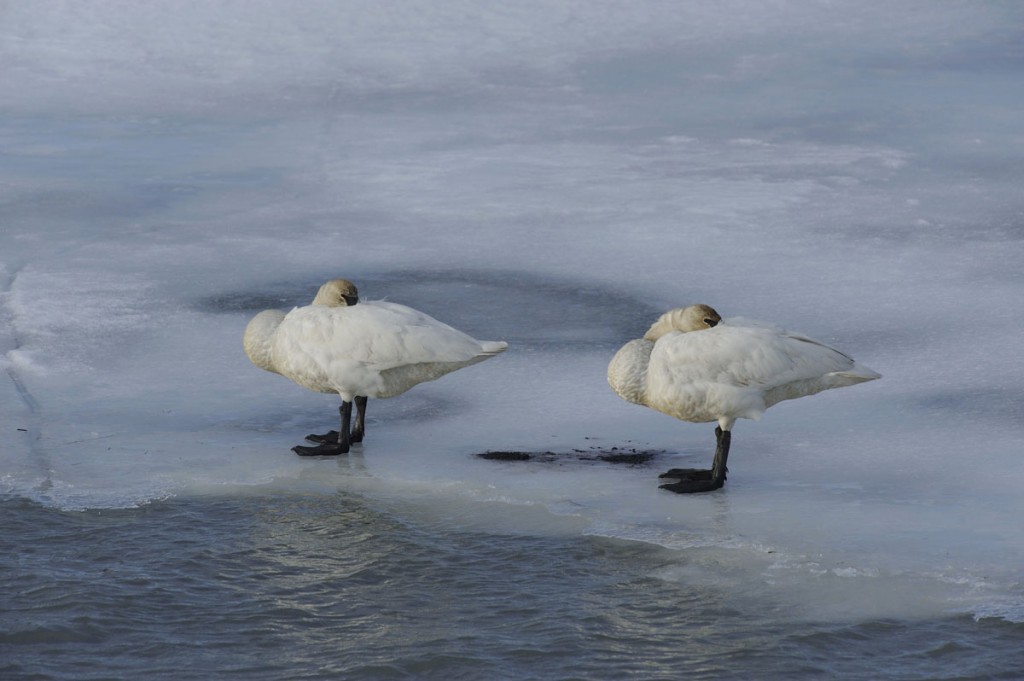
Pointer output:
x,y
356,349
696,367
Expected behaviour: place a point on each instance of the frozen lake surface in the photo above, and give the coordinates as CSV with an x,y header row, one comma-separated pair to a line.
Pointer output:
x,y
554,175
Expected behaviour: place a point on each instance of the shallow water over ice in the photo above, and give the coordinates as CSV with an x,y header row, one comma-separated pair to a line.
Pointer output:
x,y
309,585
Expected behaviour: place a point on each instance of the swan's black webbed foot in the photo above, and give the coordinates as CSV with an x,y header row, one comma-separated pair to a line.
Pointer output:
x,y
333,443
684,473
693,486
320,450
330,437
692,480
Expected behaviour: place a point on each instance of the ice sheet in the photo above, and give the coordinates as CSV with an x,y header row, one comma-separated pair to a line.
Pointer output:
x,y
554,175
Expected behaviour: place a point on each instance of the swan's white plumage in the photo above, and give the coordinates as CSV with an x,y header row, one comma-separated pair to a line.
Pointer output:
x,y
371,349
258,340
725,371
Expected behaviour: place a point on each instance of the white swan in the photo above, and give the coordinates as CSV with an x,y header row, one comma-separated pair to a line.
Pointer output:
x,y
695,367
357,350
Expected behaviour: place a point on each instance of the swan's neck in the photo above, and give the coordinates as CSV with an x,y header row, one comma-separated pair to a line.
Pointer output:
x,y
627,373
259,338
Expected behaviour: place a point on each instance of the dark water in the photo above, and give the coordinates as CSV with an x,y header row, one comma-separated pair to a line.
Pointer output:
x,y
334,586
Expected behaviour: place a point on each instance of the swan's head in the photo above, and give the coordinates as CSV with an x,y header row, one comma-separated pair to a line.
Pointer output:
x,y
337,293
684,319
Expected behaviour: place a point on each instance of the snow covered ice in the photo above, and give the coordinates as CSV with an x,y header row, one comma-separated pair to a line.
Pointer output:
x,y
554,175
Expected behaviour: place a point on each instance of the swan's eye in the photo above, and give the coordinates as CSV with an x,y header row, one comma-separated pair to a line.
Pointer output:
x,y
710,322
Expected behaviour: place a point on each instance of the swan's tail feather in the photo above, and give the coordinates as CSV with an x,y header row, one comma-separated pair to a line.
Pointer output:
x,y
858,374
490,348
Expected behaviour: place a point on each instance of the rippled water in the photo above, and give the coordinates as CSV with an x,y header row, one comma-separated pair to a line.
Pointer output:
x,y
327,586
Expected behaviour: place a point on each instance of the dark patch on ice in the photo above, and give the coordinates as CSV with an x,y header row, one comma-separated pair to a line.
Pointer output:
x,y
510,456
253,302
523,308
615,455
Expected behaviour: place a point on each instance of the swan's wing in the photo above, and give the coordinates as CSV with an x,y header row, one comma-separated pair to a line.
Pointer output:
x,y
380,336
402,335
747,356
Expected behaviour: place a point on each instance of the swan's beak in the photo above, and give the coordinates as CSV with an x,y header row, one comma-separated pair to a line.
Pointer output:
x,y
350,300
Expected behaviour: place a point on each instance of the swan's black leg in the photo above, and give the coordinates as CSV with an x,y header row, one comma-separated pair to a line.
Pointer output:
x,y
359,429
329,448
693,473
694,480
